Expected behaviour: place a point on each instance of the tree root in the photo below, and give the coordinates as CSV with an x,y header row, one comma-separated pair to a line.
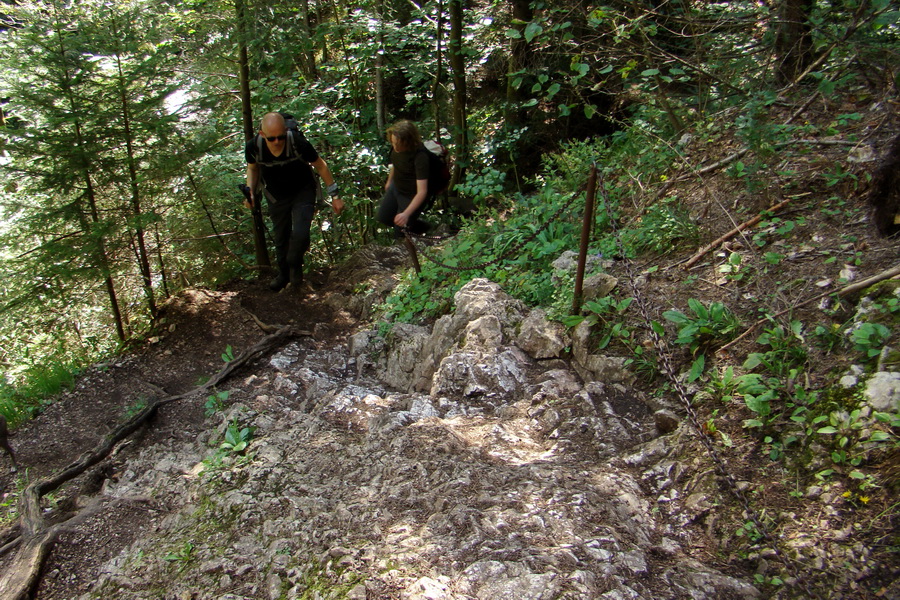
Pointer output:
x,y
36,540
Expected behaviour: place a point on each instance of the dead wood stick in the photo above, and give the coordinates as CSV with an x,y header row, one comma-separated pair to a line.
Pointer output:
x,y
23,573
844,291
264,326
715,244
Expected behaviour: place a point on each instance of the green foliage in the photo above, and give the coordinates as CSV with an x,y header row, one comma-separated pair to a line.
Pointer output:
x,y
183,555
228,355
733,268
236,438
758,393
787,350
38,384
829,336
515,251
135,408
665,227
707,326
215,402
869,338
481,186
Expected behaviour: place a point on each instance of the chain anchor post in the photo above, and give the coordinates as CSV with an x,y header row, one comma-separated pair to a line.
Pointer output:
x,y
589,203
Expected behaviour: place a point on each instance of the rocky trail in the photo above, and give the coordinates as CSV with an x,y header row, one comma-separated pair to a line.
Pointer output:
x,y
457,461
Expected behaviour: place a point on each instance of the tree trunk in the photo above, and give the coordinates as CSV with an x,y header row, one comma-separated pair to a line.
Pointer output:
x,y
380,114
460,120
308,55
793,42
259,226
143,259
439,74
101,256
519,52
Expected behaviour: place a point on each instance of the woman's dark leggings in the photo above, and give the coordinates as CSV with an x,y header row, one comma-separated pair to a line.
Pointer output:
x,y
394,202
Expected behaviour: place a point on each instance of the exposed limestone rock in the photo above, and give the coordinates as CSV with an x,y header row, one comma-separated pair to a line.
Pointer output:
x,y
568,263
402,358
599,285
540,338
883,391
596,367
501,483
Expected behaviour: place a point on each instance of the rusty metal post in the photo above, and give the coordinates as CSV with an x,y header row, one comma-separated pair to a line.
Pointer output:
x,y
585,238
411,247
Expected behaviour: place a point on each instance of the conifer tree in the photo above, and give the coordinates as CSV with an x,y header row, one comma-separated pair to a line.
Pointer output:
x,y
59,225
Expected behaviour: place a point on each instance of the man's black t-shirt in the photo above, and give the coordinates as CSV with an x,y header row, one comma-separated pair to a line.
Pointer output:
x,y
283,176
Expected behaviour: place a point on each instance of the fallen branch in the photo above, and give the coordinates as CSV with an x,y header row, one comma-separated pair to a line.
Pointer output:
x,y
23,573
269,328
715,244
844,291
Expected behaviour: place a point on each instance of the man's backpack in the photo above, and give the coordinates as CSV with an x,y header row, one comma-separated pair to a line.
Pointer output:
x,y
292,129
438,169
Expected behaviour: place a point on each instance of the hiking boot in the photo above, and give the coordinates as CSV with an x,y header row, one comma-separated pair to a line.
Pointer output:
x,y
279,283
296,277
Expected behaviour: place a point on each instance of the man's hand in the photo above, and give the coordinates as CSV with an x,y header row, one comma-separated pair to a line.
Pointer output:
x,y
248,195
337,205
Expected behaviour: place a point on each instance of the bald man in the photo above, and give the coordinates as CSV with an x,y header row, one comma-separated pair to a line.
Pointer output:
x,y
282,159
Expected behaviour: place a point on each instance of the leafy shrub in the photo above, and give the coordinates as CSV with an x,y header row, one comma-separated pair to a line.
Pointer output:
x,y
236,438
787,351
666,226
708,325
869,338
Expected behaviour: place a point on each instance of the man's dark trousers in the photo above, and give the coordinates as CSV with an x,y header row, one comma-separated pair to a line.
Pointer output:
x,y
291,223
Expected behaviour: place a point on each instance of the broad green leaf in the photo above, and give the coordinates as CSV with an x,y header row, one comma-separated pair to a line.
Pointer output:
x,y
532,30
675,316
697,368
753,361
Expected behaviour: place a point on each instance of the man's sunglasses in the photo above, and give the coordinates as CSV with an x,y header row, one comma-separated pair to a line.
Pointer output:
x,y
280,138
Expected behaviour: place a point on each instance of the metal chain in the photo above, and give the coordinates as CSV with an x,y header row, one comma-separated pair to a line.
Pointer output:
x,y
663,353
513,250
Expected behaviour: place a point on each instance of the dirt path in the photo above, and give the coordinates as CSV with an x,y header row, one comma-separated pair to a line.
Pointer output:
x,y
194,330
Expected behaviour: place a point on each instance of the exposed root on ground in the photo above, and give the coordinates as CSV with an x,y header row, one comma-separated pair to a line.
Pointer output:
x,y
36,539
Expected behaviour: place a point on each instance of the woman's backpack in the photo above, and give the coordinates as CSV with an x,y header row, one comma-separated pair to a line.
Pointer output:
x,y
438,169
